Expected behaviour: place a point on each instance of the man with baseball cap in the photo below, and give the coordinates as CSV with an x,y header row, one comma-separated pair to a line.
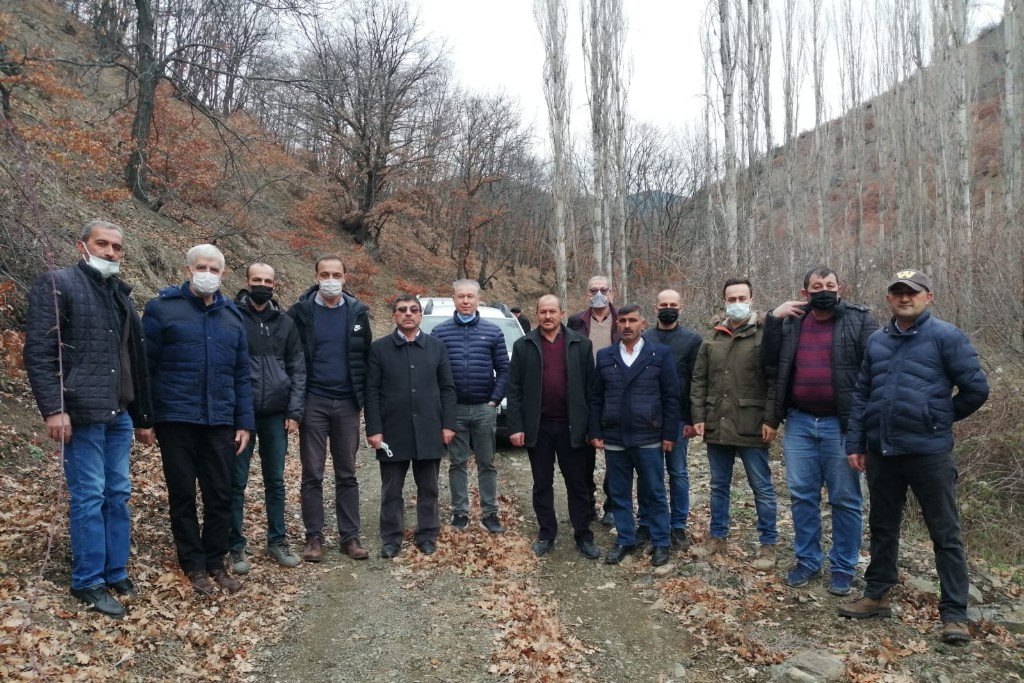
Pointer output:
x,y
901,434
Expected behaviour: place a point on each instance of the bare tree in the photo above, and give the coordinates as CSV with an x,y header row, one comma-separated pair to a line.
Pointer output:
x,y
552,20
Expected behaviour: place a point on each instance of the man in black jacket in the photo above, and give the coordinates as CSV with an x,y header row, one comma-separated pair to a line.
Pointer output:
x,y
410,418
684,343
334,327
547,412
278,394
86,363
817,345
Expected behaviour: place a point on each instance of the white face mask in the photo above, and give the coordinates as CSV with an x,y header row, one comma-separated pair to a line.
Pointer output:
x,y
738,311
205,284
102,266
331,288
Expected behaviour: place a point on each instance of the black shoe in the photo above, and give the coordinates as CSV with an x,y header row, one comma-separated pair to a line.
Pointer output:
x,y
542,547
680,539
427,547
125,588
389,550
491,523
588,549
608,519
100,600
616,554
460,522
659,556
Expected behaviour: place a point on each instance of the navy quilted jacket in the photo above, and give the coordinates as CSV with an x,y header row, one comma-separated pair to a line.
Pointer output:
x,y
478,357
635,405
199,360
904,403
85,312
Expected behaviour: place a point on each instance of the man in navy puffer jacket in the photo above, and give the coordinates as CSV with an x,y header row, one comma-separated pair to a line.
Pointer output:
x,y
901,434
199,361
479,360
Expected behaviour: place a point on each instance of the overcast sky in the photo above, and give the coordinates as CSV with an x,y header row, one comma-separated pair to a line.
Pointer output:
x,y
495,45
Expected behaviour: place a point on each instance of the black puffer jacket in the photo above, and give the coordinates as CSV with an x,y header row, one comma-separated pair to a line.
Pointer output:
x,y
359,336
88,313
276,358
854,324
685,345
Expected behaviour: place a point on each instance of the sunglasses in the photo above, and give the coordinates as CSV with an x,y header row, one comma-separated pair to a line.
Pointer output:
x,y
407,309
603,290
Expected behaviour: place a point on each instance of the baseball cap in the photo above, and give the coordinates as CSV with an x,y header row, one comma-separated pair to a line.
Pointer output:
x,y
914,279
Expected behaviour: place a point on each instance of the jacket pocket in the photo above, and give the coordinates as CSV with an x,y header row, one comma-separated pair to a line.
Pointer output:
x,y
750,417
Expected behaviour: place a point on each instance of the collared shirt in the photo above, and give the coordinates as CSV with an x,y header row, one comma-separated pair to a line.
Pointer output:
x,y
320,300
401,335
627,357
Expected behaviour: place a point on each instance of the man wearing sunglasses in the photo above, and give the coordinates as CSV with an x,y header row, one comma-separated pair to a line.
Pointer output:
x,y
410,418
597,323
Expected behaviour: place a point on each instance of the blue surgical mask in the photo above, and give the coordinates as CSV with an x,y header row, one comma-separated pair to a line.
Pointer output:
x,y
738,312
465,319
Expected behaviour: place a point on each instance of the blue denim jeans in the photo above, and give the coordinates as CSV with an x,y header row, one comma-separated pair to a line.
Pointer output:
x,y
96,469
678,485
759,476
815,452
273,439
649,465
474,432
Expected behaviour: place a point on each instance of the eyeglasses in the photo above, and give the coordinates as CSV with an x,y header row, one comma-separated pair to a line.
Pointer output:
x,y
603,290
407,309
387,449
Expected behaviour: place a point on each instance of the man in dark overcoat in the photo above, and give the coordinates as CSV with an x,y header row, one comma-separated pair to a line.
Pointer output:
x,y
410,419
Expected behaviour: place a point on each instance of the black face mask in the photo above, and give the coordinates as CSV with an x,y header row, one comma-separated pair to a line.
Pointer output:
x,y
261,294
824,300
667,316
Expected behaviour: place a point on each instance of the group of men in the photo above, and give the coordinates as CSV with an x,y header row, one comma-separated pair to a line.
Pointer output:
x,y
207,377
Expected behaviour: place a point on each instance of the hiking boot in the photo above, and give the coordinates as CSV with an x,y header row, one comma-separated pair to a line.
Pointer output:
x,y
715,545
200,580
542,547
955,632
491,523
866,608
799,576
841,583
239,565
765,557
99,600
607,519
679,538
125,588
228,583
282,554
314,551
354,549
460,522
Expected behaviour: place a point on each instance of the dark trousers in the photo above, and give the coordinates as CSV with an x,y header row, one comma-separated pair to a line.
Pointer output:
x,y
932,478
191,452
392,504
273,439
553,443
592,485
335,421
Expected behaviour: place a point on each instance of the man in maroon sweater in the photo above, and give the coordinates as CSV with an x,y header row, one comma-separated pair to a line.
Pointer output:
x,y
547,412
817,346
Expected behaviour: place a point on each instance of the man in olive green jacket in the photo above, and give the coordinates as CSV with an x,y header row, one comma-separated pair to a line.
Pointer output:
x,y
732,397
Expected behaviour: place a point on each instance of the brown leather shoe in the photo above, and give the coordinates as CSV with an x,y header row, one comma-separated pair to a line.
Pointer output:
x,y
354,550
956,632
200,580
866,607
314,551
228,583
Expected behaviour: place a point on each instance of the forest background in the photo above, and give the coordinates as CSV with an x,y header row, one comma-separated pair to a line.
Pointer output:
x,y
281,130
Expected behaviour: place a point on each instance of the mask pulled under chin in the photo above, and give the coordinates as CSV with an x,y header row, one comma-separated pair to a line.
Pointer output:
x,y
101,265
